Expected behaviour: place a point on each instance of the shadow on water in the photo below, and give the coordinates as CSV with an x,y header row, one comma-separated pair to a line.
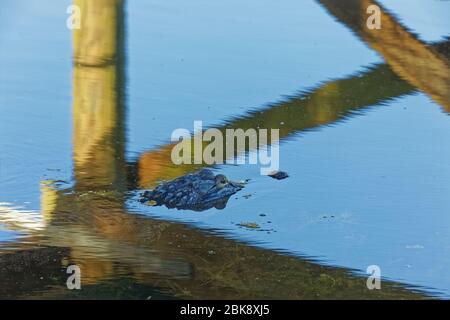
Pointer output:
x,y
124,255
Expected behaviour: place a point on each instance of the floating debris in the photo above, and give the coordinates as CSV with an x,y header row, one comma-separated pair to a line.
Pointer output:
x,y
249,225
256,227
151,203
279,175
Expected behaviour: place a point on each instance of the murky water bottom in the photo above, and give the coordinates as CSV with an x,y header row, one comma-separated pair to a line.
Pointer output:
x,y
85,127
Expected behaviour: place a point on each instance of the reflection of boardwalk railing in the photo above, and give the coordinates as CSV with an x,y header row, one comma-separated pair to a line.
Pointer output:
x,y
331,102
328,104
421,65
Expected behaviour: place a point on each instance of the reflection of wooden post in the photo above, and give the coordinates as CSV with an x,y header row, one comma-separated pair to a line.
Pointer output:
x,y
98,106
99,120
97,42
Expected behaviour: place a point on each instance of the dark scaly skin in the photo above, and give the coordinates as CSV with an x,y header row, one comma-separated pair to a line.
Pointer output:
x,y
198,191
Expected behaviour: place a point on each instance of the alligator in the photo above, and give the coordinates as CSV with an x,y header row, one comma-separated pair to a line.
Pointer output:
x,y
197,191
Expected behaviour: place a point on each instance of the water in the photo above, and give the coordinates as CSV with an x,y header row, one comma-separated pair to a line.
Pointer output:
x,y
362,129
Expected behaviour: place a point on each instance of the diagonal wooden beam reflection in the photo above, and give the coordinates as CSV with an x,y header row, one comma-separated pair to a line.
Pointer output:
x,y
422,65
